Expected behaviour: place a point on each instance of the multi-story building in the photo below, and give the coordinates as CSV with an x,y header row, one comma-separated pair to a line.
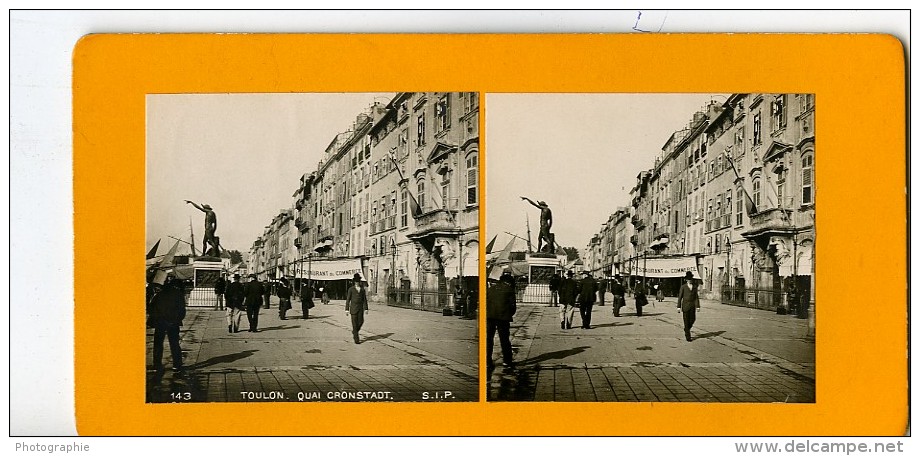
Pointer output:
x,y
734,191
398,194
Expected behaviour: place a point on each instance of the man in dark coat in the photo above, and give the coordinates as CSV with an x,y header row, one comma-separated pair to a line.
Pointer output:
x,y
235,295
688,301
267,293
253,291
284,298
568,291
219,288
586,297
619,295
356,306
165,313
306,300
601,290
554,289
641,295
500,308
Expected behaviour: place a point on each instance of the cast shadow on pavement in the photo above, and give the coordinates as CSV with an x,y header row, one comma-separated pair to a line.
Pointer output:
x,y
378,337
605,325
709,334
556,355
312,317
223,359
276,328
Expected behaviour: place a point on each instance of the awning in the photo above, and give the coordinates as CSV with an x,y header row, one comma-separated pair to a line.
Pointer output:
x,y
666,267
323,245
331,269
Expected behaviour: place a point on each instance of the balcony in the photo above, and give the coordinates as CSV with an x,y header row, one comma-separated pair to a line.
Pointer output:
x,y
634,239
436,222
770,222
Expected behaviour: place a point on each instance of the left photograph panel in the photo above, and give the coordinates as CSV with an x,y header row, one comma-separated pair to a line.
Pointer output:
x,y
312,247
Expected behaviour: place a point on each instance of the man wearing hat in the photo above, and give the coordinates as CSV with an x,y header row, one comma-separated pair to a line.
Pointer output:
x,y
210,227
619,295
253,292
500,308
568,291
586,297
235,295
688,301
356,305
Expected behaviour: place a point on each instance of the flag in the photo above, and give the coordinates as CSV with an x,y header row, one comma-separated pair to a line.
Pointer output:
x,y
153,251
491,244
748,201
413,205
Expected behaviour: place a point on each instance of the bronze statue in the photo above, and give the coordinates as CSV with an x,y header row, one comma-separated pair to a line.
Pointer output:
x,y
210,228
546,222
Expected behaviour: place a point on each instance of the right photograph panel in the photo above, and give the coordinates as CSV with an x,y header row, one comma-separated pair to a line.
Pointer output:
x,y
650,247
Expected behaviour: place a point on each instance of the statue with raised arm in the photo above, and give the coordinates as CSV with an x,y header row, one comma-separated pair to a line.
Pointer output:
x,y
546,222
210,229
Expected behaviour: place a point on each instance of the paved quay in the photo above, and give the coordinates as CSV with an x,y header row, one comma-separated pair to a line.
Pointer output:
x,y
737,355
405,355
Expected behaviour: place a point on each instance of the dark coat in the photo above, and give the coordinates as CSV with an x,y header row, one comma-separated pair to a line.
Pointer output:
x,y
235,295
554,283
602,285
588,293
640,294
167,308
617,289
356,299
568,290
500,302
253,291
688,298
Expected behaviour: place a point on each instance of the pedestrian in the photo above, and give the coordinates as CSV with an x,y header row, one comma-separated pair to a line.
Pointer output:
x,y
586,297
267,293
659,292
459,300
688,302
235,296
601,290
253,291
219,289
472,302
284,298
325,294
568,291
306,301
165,313
641,298
619,295
356,305
554,289
500,308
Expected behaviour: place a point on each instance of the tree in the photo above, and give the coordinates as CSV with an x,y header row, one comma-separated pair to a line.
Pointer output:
x,y
571,253
235,257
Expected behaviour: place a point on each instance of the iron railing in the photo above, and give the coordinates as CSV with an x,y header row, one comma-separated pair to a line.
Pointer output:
x,y
757,298
430,300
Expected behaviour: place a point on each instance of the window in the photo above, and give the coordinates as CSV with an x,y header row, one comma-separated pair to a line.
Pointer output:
x,y
756,186
403,144
384,212
445,192
420,132
709,216
739,142
391,219
442,113
808,163
404,208
778,112
780,185
421,195
728,209
717,215
374,218
806,102
757,129
718,244
739,206
383,245
472,179
470,101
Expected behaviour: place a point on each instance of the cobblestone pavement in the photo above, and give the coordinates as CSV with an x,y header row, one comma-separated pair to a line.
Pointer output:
x,y
405,355
737,355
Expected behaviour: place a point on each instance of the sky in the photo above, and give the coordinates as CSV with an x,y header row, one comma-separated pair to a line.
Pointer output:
x,y
243,154
581,153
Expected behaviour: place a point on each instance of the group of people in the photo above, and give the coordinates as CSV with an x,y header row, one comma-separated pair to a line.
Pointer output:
x,y
582,294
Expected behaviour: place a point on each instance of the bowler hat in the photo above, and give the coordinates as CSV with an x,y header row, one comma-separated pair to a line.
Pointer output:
x,y
688,275
357,277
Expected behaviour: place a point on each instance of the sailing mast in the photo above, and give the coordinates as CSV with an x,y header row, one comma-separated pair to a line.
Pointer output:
x,y
192,244
529,247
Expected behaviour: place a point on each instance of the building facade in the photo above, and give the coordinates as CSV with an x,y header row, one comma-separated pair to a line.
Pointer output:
x,y
734,190
397,192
